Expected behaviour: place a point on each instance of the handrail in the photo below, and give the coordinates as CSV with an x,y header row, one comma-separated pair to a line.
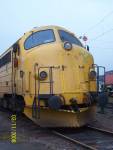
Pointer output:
x,y
34,106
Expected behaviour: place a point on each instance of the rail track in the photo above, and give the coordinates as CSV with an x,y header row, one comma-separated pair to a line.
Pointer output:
x,y
89,137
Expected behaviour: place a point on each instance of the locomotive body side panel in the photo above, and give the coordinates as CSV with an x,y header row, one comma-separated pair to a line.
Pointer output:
x,y
6,73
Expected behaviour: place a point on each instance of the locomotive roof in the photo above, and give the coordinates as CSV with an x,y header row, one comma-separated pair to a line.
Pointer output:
x,y
49,27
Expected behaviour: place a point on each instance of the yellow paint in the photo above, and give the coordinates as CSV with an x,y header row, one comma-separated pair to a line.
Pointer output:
x,y
72,82
63,118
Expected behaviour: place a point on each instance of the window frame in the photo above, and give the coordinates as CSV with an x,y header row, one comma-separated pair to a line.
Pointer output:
x,y
54,39
72,35
7,61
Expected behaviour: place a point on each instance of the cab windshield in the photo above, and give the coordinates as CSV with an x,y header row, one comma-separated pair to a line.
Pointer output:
x,y
39,38
65,36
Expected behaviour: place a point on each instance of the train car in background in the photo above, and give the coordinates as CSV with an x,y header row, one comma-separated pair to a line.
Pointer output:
x,y
51,77
109,82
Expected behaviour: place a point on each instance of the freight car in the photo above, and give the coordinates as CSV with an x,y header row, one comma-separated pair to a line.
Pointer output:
x,y
51,77
109,82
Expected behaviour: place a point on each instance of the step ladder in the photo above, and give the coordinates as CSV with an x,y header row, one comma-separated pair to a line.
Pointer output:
x,y
38,97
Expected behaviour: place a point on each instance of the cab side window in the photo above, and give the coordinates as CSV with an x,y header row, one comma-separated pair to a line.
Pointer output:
x,y
5,59
38,38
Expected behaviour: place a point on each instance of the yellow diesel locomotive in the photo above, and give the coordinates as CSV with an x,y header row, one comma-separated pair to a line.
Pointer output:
x,y
50,76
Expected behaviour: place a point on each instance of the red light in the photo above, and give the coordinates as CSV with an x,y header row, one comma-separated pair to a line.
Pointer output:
x,y
85,38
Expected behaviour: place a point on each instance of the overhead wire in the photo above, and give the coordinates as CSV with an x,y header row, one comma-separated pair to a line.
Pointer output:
x,y
102,34
98,23
107,48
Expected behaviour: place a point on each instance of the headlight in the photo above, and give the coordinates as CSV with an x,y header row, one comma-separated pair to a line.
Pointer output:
x,y
42,75
67,46
92,74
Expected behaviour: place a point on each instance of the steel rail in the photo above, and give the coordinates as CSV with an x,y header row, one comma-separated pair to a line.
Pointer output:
x,y
100,130
74,141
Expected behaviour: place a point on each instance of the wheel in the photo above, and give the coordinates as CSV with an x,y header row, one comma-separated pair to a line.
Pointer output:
x,y
12,105
5,104
0,102
16,104
19,106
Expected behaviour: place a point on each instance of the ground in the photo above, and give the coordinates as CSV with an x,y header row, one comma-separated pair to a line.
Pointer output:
x,y
105,120
29,136
32,137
